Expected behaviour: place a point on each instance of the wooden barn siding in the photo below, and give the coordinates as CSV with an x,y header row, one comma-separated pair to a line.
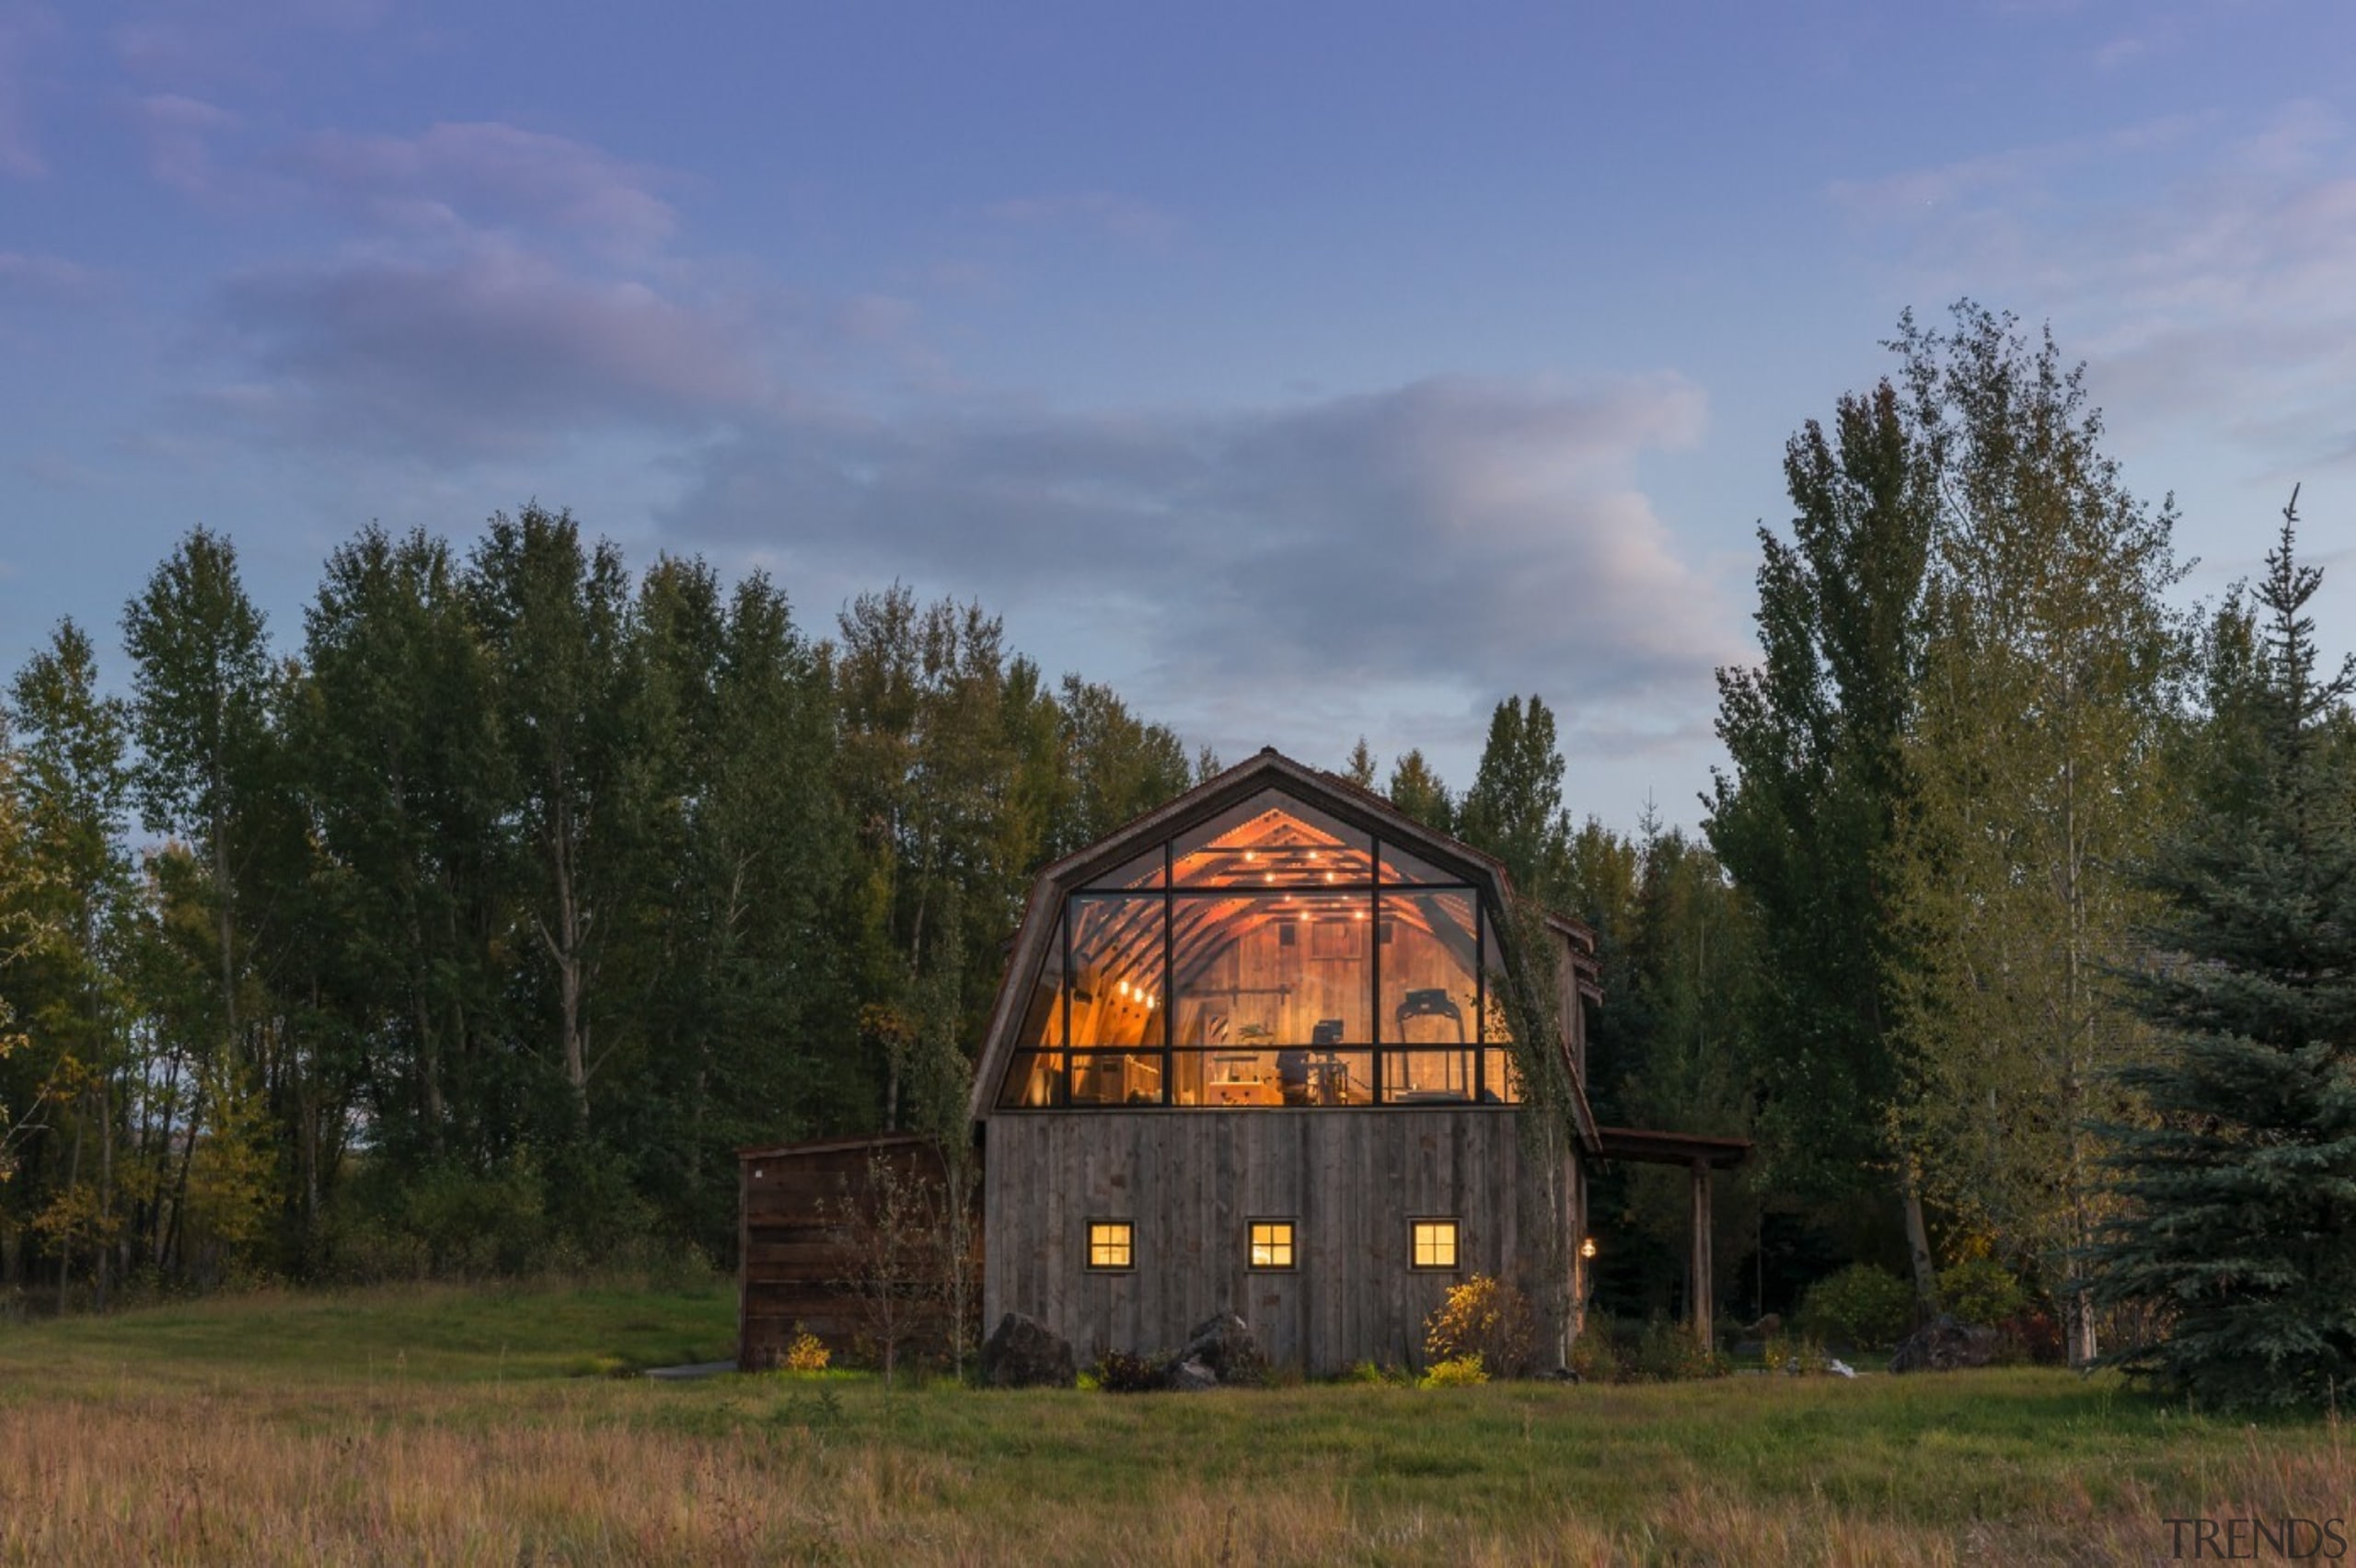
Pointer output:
x,y
1190,1181
794,1262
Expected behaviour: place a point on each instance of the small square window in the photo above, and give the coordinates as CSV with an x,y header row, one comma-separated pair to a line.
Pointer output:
x,y
1271,1243
1435,1243
1111,1244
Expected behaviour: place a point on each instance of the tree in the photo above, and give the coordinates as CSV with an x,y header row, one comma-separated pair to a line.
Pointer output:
x,y
2236,1223
21,1100
199,685
554,620
1815,733
1110,766
1415,790
403,770
2046,692
77,786
1514,810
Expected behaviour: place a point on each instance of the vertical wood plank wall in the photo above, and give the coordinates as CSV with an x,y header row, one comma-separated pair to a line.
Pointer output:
x,y
799,1263
1190,1181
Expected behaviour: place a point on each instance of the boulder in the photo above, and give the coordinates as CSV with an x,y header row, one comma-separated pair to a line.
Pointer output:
x,y
1945,1344
1224,1347
1023,1353
1189,1376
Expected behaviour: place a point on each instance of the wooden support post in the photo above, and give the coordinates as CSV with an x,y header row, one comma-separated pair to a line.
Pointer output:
x,y
1703,1288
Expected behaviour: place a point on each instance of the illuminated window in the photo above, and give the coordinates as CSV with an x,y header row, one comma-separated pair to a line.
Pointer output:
x,y
1271,1243
1435,1243
1111,1244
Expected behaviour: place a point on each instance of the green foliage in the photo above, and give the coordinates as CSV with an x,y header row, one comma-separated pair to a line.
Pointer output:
x,y
2037,758
1666,1352
1487,1319
1814,732
1862,1304
1795,1355
1598,1355
1982,1290
1675,1046
2235,1234
444,1221
1121,1373
1374,1375
1415,790
496,915
1514,808
1457,1372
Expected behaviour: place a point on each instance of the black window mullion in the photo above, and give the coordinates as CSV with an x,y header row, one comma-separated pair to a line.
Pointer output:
x,y
1374,973
1480,996
1169,978
1063,1072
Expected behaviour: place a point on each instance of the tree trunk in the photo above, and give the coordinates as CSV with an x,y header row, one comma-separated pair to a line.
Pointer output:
x,y
429,1059
177,1229
1918,1243
65,1241
564,946
103,1238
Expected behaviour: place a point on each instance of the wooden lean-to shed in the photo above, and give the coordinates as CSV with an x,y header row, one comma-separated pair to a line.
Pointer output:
x,y
1248,1056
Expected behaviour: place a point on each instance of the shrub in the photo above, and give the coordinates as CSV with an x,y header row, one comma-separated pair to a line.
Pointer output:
x,y
1598,1355
1485,1318
1668,1353
807,1352
2037,1337
1795,1355
1862,1304
1121,1373
1980,1290
1456,1372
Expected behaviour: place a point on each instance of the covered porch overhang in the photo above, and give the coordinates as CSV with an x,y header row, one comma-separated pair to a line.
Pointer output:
x,y
1702,1155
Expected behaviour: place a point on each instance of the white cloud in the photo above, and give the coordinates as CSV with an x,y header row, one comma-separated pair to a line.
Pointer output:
x,y
1426,548
467,178
499,351
2223,285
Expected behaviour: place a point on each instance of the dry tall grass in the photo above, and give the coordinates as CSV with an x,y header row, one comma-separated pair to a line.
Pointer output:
x,y
552,1476
369,1453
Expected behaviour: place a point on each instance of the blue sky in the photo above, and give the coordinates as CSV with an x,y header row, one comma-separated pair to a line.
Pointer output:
x,y
1305,371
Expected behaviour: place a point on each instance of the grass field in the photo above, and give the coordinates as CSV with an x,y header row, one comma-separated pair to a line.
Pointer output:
x,y
449,1425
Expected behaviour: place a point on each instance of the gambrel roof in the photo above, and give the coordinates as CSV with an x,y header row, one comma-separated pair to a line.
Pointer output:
x,y
1359,809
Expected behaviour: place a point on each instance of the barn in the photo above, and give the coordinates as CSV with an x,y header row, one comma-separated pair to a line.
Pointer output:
x,y
1251,1055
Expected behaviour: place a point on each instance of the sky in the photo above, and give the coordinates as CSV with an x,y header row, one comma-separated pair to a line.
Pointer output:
x,y
1306,371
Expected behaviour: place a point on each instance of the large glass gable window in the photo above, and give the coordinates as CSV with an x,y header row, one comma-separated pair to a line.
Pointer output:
x,y
1274,957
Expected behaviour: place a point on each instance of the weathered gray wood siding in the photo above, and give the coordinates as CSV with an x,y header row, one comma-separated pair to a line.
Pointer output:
x,y
1190,1181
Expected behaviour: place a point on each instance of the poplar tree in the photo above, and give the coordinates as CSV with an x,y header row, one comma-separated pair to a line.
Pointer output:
x,y
398,741
1416,790
554,619
200,694
1815,731
82,902
2236,1229
1514,808
2046,695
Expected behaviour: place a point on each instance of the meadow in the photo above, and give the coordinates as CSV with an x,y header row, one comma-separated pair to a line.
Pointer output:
x,y
483,1425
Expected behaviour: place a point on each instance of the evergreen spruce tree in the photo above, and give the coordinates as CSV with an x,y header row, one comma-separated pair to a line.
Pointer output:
x,y
2238,1229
